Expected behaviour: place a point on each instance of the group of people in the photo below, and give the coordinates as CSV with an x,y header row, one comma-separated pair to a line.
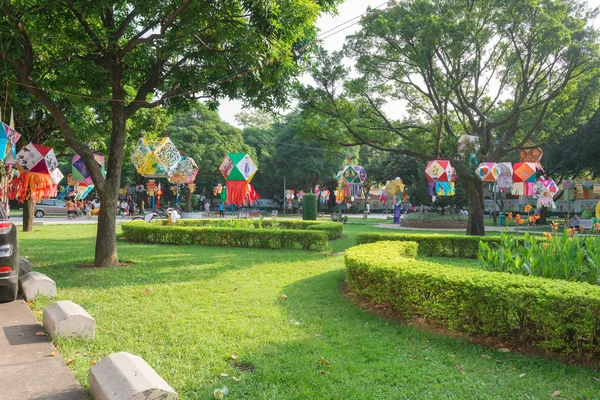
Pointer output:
x,y
127,207
83,207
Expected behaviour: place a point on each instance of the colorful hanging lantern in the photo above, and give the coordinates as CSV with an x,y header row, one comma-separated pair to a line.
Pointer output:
x,y
487,172
546,189
238,170
324,196
524,174
289,196
151,187
441,178
36,158
531,155
300,196
569,190
317,190
191,187
217,189
8,139
394,187
350,180
57,176
156,159
79,170
339,195
588,189
34,185
185,171
504,181
383,196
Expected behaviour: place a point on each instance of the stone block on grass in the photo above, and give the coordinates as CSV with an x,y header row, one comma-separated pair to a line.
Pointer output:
x,y
33,284
67,319
124,376
24,266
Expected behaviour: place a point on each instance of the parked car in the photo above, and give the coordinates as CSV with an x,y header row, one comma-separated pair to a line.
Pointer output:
x,y
9,259
51,207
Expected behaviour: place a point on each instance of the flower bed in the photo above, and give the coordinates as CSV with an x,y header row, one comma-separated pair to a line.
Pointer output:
x,y
144,232
435,221
555,315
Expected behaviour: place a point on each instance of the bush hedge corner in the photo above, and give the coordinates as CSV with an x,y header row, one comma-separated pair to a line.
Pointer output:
x,y
556,315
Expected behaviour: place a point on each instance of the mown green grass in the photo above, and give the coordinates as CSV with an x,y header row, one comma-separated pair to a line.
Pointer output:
x,y
186,310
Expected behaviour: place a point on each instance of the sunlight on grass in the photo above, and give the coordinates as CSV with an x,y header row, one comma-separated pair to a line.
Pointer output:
x,y
186,310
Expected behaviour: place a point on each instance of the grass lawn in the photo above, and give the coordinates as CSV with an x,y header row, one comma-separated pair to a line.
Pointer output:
x,y
186,310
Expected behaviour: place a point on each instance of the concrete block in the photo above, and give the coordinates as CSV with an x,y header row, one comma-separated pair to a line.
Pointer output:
x,y
67,319
24,266
35,283
123,376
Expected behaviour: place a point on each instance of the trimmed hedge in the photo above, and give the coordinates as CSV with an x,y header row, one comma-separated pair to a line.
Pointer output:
x,y
332,229
434,245
555,315
309,207
144,232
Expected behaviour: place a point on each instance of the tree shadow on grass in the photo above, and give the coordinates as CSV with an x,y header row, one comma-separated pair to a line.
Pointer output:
x,y
340,351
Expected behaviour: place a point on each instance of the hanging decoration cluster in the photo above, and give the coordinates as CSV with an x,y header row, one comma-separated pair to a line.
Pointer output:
x,y
238,169
441,178
350,181
37,166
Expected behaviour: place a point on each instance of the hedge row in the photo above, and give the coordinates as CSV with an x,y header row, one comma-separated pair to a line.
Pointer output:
x,y
555,315
144,232
434,245
333,230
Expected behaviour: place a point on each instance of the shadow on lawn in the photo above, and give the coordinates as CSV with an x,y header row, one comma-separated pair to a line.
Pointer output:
x,y
154,263
344,352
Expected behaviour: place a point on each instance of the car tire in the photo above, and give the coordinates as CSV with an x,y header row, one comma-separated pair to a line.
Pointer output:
x,y
38,213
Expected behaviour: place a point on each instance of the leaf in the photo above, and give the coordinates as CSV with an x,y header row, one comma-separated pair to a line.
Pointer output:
x,y
324,361
235,356
597,379
69,361
53,354
283,296
323,372
40,333
555,393
504,350
317,334
147,291
522,375
486,356
461,369
223,374
93,362
236,379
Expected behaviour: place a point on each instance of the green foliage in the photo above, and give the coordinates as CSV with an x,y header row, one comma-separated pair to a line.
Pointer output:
x,y
332,229
433,216
309,207
246,236
557,316
587,214
559,257
433,245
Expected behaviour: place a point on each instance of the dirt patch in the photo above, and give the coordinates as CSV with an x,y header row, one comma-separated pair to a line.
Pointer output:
x,y
243,366
91,265
509,345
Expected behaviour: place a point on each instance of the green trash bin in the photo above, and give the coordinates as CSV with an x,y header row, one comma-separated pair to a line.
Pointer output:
x,y
502,220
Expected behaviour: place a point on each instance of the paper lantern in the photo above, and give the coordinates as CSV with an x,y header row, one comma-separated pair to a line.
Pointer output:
x,y
56,176
441,178
324,196
185,171
157,159
300,196
34,185
8,139
383,196
569,190
151,187
531,155
339,195
238,170
394,187
488,172
524,174
79,171
350,180
546,189
37,158
505,176
289,195
317,190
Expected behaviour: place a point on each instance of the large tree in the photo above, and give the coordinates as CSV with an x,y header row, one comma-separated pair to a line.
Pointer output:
x,y
509,72
119,57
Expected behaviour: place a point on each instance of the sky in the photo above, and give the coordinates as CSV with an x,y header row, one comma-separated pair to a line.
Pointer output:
x,y
346,11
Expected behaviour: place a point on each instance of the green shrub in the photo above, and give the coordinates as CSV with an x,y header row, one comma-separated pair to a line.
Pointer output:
x,y
587,214
433,245
309,207
555,315
332,229
434,216
144,232
558,257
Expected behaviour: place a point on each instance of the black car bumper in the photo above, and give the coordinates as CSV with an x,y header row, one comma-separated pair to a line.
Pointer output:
x,y
9,255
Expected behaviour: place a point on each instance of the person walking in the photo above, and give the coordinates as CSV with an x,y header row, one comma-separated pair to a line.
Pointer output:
x,y
221,210
70,209
368,209
87,208
207,208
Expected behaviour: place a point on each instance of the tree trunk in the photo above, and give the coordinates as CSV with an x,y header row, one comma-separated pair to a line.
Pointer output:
x,y
474,190
28,209
188,201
